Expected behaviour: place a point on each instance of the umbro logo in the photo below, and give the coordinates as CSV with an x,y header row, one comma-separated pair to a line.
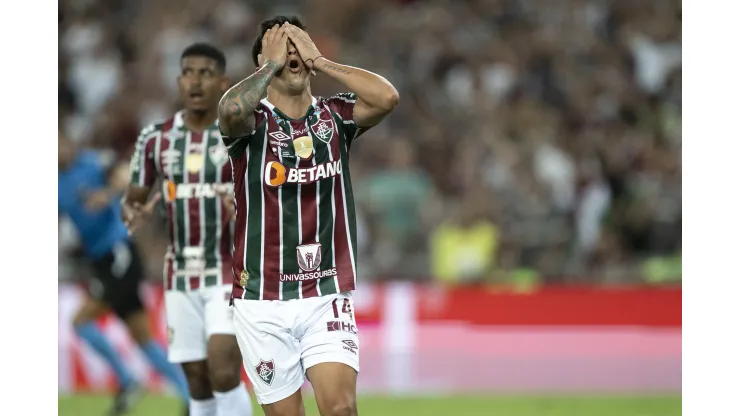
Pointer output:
x,y
279,136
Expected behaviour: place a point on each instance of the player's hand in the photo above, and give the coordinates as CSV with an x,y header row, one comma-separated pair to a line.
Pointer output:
x,y
229,204
137,214
97,200
275,46
303,43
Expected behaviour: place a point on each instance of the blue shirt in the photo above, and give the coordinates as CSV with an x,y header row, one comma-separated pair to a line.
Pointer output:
x,y
101,230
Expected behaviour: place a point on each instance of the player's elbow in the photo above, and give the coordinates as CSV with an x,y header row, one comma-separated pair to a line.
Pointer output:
x,y
233,120
390,99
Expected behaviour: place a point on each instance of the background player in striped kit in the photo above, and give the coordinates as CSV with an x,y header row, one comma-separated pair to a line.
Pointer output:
x,y
89,192
185,154
295,241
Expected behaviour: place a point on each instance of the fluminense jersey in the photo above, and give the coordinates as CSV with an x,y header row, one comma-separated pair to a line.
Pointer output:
x,y
192,167
295,233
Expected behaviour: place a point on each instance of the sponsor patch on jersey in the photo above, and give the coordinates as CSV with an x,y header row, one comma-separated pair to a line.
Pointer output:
x,y
300,277
303,147
350,346
280,136
335,326
170,161
194,162
276,174
309,256
195,190
276,143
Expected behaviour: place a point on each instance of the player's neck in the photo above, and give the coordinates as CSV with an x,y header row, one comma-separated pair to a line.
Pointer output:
x,y
199,120
293,106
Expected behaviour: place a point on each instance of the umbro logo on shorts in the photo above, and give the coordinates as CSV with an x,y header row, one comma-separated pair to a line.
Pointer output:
x,y
266,371
350,346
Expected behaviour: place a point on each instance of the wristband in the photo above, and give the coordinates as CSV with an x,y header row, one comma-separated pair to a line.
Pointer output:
x,y
312,60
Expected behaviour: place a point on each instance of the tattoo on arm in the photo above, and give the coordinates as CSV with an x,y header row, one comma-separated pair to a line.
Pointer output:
x,y
335,68
235,110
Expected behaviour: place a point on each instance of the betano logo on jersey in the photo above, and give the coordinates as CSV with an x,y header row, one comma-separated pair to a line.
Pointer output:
x,y
276,174
195,190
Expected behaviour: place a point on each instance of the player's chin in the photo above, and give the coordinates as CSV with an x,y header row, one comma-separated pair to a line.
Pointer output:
x,y
197,106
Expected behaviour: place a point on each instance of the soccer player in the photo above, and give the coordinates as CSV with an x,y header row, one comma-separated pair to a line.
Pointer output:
x,y
295,241
186,154
89,194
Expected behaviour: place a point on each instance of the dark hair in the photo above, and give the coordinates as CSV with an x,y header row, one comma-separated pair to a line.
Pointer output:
x,y
266,24
208,51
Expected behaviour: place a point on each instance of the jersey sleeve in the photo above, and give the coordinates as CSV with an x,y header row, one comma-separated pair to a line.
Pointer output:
x,y
343,104
142,170
237,145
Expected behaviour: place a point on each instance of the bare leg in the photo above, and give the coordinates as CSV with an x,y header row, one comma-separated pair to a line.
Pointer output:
x,y
335,386
290,406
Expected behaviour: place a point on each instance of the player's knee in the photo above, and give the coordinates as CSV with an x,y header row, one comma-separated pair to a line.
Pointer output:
x,y
225,378
346,406
199,387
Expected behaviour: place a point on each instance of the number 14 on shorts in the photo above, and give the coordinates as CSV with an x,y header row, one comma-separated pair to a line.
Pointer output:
x,y
340,312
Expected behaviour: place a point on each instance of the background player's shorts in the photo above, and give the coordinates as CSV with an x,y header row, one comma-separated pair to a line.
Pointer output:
x,y
117,278
280,340
192,317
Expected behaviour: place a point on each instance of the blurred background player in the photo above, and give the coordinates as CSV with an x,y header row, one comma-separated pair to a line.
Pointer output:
x,y
89,194
296,228
185,153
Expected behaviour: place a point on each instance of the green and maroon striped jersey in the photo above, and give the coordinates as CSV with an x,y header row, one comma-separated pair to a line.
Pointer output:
x,y
191,167
295,233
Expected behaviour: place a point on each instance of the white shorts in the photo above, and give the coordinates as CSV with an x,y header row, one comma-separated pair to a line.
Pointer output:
x,y
192,317
280,340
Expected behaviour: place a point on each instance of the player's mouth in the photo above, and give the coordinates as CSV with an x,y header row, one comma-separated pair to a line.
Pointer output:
x,y
196,95
295,66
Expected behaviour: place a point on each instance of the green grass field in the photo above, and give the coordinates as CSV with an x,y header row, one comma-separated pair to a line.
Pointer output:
x,y
429,406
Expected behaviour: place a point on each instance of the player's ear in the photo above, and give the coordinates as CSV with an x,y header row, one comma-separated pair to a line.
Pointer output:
x,y
225,83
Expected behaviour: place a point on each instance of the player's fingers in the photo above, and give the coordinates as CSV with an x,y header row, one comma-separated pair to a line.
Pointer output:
x,y
152,202
273,32
284,40
277,37
267,37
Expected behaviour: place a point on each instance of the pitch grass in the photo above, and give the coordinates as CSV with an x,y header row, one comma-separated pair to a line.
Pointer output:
x,y
153,405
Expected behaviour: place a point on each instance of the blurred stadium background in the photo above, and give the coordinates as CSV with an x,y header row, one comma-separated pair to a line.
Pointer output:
x,y
520,211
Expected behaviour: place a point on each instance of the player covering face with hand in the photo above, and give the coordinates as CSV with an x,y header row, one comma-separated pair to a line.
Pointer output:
x,y
295,237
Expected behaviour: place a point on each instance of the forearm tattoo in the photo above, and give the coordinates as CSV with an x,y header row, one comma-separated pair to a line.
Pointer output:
x,y
237,105
330,67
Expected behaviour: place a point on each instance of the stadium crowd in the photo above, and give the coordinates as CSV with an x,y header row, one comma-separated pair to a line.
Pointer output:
x,y
535,139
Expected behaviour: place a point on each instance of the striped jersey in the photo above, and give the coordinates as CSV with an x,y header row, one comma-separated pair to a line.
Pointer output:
x,y
191,167
295,233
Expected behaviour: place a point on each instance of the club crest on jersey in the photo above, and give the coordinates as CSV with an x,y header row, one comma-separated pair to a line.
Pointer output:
x,y
218,154
309,256
323,128
266,371
303,147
